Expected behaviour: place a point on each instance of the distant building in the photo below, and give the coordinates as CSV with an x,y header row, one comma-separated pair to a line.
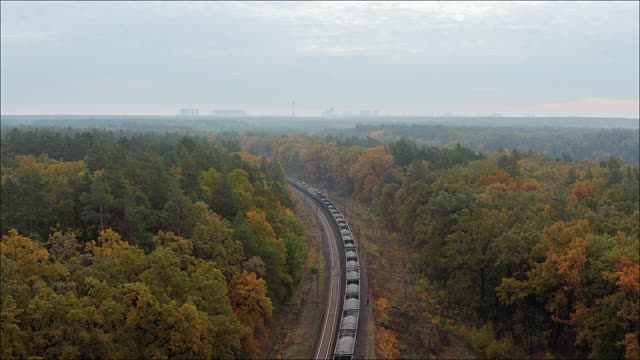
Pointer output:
x,y
363,113
189,112
228,112
368,113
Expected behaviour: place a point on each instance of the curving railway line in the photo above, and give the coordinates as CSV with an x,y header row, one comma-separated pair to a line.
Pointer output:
x,y
339,325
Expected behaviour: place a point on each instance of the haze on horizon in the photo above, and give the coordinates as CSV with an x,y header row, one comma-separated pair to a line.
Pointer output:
x,y
547,59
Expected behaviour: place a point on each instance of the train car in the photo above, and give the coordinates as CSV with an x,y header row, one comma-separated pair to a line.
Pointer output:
x,y
353,288
352,265
348,239
349,322
345,345
353,275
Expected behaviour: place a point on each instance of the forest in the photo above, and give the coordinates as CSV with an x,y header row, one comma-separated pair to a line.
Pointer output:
x,y
131,244
515,252
566,138
567,143
141,245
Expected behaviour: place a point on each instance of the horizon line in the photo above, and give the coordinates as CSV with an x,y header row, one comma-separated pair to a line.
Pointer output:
x,y
533,116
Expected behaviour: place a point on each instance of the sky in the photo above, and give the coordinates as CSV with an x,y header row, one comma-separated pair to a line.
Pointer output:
x,y
402,58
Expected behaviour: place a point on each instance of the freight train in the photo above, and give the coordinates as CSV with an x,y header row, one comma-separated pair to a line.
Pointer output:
x,y
346,338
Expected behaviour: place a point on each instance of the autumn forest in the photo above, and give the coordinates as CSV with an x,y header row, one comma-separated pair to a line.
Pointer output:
x,y
141,244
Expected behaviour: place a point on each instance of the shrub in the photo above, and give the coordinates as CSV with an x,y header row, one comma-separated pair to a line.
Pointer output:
x,y
485,343
481,340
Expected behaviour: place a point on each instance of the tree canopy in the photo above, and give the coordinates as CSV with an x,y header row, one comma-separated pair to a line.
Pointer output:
x,y
141,246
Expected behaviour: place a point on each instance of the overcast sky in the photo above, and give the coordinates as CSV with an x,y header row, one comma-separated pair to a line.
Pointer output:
x,y
399,58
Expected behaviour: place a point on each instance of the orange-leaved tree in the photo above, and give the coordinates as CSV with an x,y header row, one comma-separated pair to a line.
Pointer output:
x,y
368,170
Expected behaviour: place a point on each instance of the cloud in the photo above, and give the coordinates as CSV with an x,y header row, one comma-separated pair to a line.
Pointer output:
x,y
397,55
